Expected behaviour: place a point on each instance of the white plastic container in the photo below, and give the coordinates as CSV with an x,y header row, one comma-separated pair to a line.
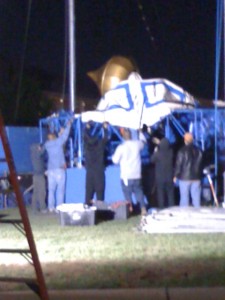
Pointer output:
x,y
75,214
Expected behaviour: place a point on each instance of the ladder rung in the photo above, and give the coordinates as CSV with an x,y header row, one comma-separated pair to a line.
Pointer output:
x,y
18,279
25,251
11,221
3,215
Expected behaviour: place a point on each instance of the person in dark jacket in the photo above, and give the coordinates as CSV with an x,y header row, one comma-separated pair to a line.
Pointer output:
x,y
188,171
163,160
94,153
38,201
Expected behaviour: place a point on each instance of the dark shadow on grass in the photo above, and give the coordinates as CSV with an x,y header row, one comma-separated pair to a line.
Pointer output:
x,y
128,274
103,215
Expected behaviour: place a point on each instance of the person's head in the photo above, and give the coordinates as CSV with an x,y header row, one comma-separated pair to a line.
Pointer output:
x,y
126,134
51,136
91,129
164,144
90,125
188,138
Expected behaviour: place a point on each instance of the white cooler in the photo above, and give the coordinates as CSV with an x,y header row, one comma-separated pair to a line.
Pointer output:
x,y
76,214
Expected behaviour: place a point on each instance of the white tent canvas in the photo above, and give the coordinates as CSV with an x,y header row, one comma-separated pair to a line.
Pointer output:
x,y
136,101
184,220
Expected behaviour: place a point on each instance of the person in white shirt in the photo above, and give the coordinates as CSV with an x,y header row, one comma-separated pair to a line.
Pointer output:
x,y
128,155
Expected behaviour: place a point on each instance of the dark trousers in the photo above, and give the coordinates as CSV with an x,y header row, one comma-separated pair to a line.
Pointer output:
x,y
165,193
39,192
95,184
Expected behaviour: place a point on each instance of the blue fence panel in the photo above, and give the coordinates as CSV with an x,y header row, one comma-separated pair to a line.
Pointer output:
x,y
20,139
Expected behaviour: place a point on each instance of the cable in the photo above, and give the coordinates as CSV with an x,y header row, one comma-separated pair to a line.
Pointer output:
x,y
22,62
145,22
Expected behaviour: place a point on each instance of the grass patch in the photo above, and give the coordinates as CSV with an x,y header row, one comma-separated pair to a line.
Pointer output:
x,y
114,254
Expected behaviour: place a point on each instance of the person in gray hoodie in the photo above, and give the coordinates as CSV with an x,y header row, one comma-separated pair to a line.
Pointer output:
x,y
56,167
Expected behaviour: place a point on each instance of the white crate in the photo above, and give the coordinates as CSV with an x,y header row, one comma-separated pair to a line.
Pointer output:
x,y
76,214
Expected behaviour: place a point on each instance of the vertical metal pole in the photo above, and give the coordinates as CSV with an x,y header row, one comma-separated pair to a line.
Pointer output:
x,y
223,189
72,79
79,163
40,132
167,129
72,68
217,62
223,204
71,152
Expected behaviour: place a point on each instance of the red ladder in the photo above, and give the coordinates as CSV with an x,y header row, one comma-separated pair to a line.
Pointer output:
x,y
23,225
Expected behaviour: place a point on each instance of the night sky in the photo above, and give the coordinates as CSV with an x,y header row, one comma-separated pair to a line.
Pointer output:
x,y
172,39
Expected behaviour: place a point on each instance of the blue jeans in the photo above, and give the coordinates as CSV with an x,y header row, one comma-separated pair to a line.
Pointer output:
x,y
134,187
56,187
190,188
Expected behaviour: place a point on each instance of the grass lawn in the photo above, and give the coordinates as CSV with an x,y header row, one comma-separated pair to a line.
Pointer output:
x,y
113,254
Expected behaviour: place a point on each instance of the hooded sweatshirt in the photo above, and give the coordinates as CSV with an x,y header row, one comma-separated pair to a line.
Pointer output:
x,y
163,160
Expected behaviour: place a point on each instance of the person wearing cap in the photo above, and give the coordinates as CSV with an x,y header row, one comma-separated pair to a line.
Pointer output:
x,y
188,171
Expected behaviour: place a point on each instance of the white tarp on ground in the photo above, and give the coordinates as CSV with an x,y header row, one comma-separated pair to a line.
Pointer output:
x,y
184,220
138,101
